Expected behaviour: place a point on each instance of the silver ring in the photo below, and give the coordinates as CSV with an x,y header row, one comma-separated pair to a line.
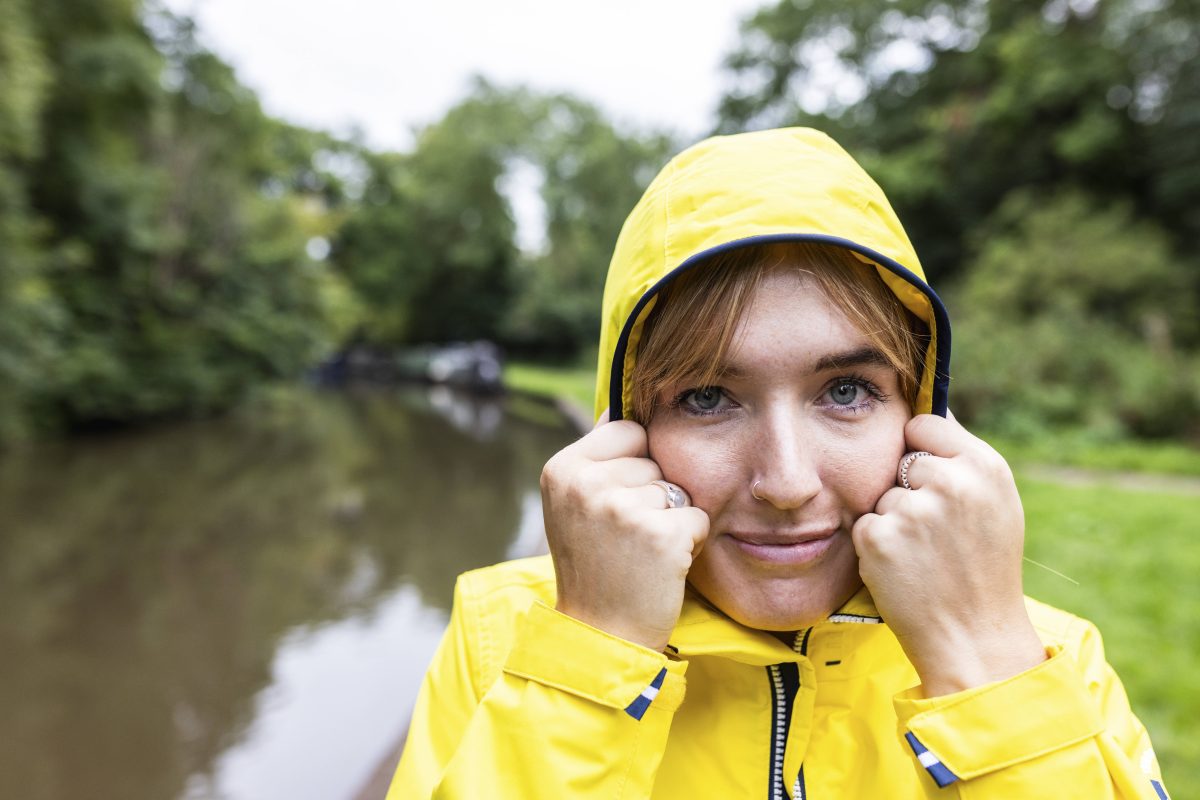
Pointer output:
x,y
676,496
754,491
906,462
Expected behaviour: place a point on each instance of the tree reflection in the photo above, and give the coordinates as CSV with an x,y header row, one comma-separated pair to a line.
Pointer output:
x,y
146,581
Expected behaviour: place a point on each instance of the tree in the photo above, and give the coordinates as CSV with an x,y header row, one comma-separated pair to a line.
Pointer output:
x,y
952,104
171,241
592,175
1072,315
431,248
28,311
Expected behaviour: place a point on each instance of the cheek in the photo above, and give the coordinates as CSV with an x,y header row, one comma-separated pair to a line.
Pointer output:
x,y
861,474
700,464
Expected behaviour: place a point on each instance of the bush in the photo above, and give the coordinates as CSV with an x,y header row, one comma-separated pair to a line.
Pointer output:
x,y
1075,317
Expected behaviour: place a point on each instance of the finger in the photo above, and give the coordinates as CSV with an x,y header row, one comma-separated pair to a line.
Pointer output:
x,y
692,521
602,419
921,469
860,531
875,534
648,496
892,500
698,523
614,440
629,471
939,435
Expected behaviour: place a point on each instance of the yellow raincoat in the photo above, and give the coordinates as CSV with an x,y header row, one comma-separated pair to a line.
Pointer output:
x,y
522,701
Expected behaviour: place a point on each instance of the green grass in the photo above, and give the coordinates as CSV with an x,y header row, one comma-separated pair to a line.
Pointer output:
x,y
576,383
1136,557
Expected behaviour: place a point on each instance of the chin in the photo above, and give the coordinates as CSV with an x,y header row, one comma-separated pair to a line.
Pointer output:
x,y
770,601
782,608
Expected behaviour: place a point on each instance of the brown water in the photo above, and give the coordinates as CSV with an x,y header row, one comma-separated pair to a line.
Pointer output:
x,y
242,608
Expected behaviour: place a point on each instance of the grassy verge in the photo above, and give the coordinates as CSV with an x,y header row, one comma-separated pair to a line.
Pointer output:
x,y
576,383
1135,556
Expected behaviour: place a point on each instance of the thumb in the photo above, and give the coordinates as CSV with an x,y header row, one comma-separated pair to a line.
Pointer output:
x,y
602,419
942,436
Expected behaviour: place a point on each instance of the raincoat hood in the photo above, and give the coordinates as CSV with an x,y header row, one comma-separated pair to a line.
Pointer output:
x,y
787,185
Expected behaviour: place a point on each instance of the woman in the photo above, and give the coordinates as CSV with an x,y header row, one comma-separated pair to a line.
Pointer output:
x,y
778,566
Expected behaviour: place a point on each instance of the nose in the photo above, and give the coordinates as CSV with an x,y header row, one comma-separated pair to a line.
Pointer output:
x,y
785,461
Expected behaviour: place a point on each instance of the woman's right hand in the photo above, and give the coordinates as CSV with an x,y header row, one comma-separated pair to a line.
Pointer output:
x,y
621,557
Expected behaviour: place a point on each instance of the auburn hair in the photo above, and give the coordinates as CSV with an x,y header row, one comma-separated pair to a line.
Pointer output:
x,y
691,328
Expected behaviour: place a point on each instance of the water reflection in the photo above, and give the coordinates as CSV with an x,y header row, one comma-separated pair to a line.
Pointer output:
x,y
153,588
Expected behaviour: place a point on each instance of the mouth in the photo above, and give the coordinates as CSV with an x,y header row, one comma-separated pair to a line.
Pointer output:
x,y
784,548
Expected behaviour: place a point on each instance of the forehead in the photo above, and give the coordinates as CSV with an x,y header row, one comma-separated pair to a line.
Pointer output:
x,y
790,322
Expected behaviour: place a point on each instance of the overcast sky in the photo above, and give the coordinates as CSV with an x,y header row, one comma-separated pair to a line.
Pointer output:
x,y
386,66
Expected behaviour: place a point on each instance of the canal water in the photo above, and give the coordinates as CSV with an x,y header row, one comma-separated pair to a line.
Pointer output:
x,y
242,608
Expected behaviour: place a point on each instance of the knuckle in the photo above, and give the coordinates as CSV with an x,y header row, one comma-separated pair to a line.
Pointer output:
x,y
550,472
995,465
629,429
917,425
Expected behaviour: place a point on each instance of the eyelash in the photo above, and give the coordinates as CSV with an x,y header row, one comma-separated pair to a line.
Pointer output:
x,y
877,395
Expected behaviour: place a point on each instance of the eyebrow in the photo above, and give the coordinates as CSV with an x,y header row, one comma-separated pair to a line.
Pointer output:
x,y
863,356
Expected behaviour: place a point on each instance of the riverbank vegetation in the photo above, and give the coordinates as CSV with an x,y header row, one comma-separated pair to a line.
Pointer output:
x,y
165,245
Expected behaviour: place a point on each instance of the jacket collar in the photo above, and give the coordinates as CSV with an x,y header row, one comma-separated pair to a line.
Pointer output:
x,y
704,630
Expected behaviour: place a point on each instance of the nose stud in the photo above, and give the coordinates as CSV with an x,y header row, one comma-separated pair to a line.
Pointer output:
x,y
754,491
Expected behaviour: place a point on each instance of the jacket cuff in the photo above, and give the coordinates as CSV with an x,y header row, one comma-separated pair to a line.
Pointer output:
x,y
558,650
974,732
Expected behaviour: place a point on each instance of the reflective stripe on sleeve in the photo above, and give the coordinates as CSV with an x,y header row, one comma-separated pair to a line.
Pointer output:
x,y
941,775
640,703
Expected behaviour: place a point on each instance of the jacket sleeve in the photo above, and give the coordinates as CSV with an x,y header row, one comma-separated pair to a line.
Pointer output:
x,y
565,711
1061,729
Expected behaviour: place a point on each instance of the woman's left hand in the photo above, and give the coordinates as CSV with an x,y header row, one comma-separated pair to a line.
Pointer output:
x,y
943,561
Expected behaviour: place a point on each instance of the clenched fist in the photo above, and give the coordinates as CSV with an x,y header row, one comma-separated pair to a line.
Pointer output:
x,y
943,561
620,554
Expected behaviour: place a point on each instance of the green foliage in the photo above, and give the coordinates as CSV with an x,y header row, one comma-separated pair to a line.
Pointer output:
x,y
1073,316
1098,453
592,174
28,311
953,104
431,248
151,220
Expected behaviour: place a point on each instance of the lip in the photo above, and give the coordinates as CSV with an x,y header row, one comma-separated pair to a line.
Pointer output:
x,y
793,549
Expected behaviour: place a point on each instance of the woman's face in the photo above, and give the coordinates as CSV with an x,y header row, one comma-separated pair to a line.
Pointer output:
x,y
809,411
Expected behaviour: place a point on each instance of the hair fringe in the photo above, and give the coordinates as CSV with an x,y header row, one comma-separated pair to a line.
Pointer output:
x,y
692,326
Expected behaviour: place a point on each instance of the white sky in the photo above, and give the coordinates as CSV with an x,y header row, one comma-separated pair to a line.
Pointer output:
x,y
386,66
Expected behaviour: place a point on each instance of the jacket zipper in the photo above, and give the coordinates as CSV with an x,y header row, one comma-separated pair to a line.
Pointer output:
x,y
785,683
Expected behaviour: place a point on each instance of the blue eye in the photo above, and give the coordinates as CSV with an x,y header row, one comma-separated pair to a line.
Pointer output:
x,y
844,394
703,401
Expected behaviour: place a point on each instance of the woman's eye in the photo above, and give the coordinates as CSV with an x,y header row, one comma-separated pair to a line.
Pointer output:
x,y
708,399
845,394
